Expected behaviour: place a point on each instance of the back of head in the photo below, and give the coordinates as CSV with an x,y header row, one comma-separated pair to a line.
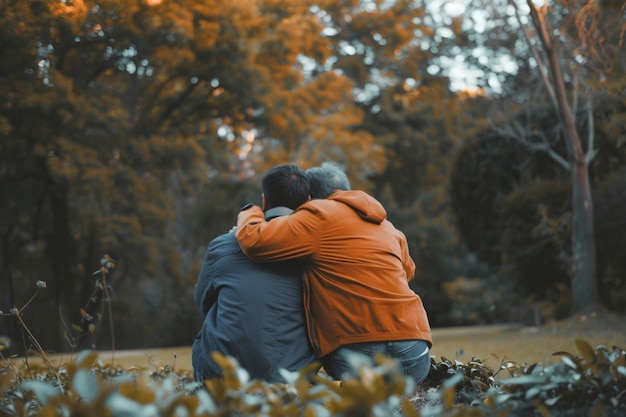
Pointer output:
x,y
326,179
285,185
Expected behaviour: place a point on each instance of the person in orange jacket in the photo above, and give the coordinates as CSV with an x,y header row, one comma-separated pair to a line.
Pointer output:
x,y
356,281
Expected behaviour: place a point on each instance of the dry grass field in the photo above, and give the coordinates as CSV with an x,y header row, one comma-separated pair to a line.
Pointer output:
x,y
518,343
521,344
524,344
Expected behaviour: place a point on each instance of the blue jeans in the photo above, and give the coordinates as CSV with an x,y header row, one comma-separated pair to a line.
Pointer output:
x,y
204,367
412,356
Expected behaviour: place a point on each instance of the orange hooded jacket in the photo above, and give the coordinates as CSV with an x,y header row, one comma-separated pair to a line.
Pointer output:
x,y
357,269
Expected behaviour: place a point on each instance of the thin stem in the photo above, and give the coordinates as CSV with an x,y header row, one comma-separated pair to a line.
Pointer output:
x,y
11,367
28,302
40,349
107,299
30,374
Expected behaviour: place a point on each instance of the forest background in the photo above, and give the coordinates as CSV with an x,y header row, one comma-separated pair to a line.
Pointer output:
x,y
137,130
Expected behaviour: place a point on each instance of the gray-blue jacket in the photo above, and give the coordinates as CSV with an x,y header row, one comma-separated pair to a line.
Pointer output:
x,y
252,311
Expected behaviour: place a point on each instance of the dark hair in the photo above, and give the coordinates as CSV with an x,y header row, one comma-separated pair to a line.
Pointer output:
x,y
285,185
326,179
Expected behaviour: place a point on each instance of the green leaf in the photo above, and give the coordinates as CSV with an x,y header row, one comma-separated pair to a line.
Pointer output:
x,y
86,385
42,390
524,380
551,401
85,359
569,362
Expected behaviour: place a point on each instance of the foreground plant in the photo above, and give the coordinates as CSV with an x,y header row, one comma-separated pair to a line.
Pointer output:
x,y
593,384
93,311
27,335
97,300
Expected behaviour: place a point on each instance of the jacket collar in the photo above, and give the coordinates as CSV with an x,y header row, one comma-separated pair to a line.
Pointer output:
x,y
277,212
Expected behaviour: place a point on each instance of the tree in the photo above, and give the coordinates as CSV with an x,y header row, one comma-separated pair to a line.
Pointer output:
x,y
550,66
575,57
113,115
87,179
360,48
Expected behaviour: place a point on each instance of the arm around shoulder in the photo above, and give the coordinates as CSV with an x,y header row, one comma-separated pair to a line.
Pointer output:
x,y
249,222
286,237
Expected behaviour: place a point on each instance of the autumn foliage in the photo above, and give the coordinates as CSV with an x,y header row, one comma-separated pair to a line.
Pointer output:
x,y
138,128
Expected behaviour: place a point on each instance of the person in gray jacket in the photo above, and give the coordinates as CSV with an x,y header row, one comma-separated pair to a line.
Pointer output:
x,y
253,312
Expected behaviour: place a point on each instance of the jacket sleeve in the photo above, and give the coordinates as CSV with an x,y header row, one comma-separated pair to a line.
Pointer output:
x,y
205,291
287,237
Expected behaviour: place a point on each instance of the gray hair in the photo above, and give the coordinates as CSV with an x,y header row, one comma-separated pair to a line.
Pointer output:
x,y
326,179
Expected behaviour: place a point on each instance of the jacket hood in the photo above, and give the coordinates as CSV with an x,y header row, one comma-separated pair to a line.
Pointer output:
x,y
362,203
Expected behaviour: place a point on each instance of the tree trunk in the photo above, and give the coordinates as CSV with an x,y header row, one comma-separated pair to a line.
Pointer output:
x,y
60,251
584,287
8,326
6,281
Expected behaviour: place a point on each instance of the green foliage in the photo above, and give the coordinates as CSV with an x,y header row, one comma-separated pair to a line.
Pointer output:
x,y
87,386
113,116
511,203
577,66
485,171
419,138
610,204
484,300
535,240
593,383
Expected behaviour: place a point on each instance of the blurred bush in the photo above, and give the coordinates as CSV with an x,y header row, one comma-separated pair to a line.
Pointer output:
x,y
592,383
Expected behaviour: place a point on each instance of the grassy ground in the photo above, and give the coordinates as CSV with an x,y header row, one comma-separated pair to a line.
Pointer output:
x,y
518,343
529,344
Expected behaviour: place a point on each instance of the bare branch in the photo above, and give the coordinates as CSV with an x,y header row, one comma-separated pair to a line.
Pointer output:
x,y
538,17
540,64
545,147
523,135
